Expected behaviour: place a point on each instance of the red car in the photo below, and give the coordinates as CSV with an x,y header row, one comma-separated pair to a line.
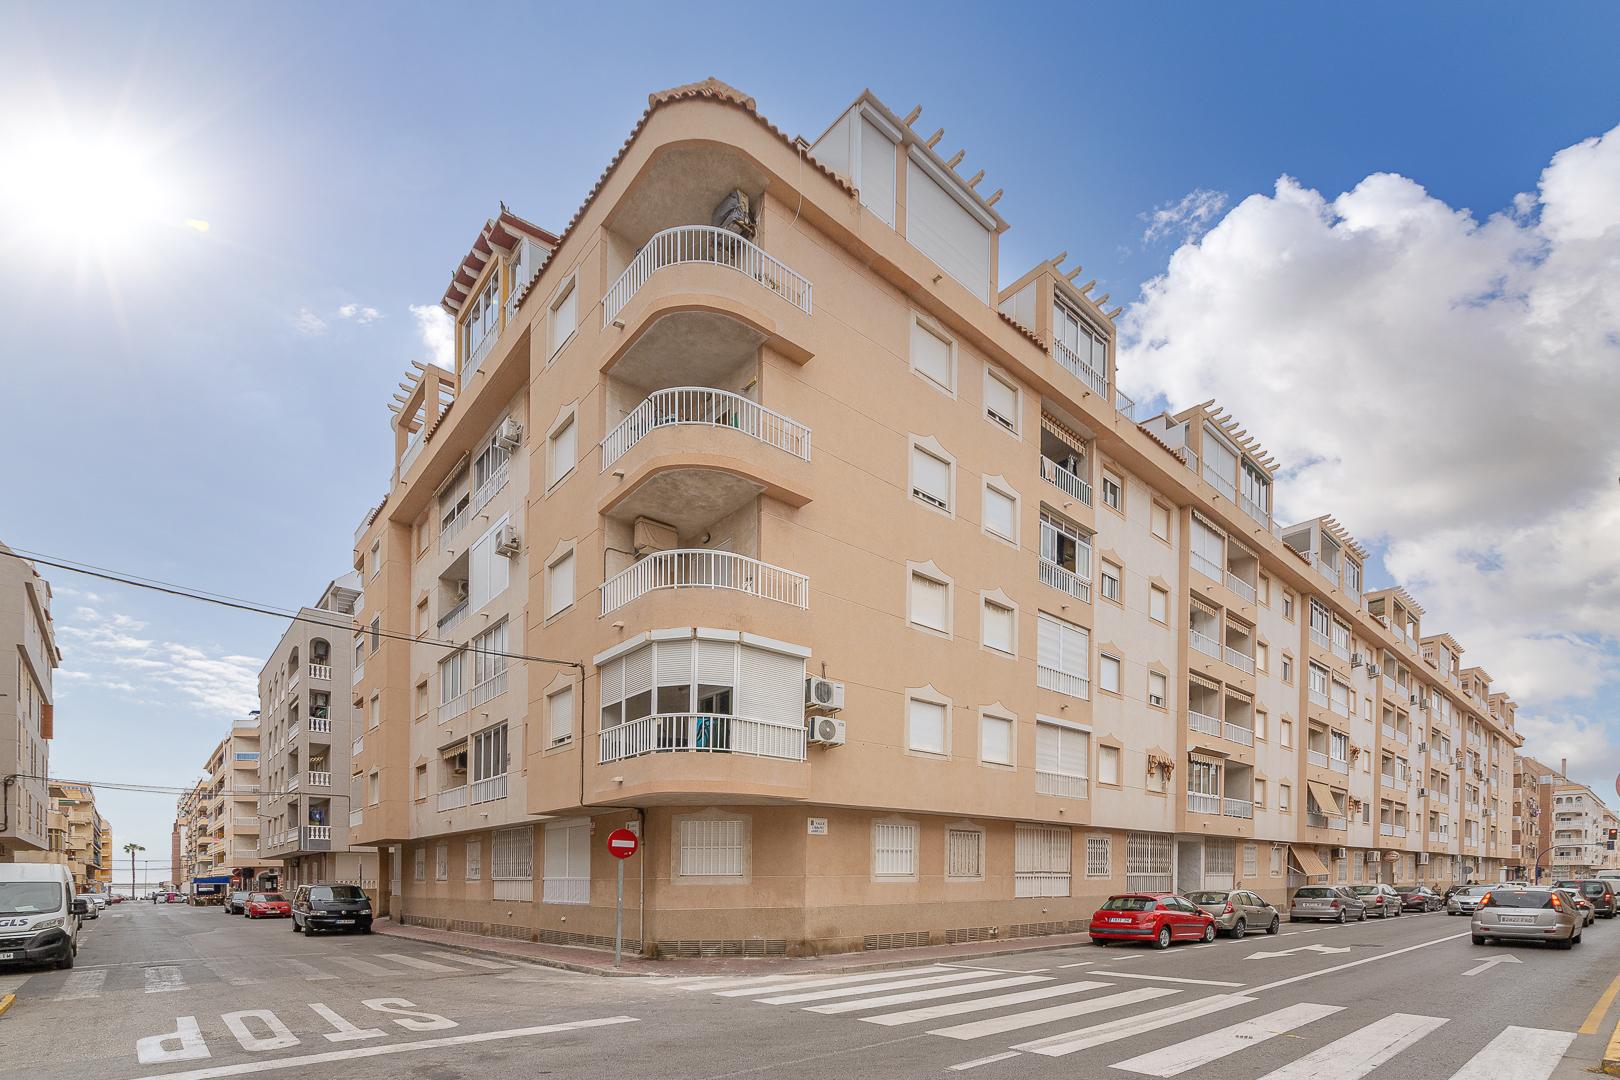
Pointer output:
x,y
262,905
1157,917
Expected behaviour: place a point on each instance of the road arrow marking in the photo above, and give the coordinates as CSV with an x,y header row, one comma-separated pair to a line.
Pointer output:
x,y
1325,949
1492,962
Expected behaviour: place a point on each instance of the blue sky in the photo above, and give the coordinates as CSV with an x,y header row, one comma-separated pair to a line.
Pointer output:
x,y
208,407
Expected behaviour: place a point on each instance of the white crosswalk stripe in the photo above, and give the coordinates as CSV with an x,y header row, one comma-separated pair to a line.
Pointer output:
x,y
1519,1053
1361,1051
309,973
1001,1024
472,961
364,967
850,991
926,995
1183,1056
1070,1042
957,1008
82,984
414,962
164,980
227,971
834,980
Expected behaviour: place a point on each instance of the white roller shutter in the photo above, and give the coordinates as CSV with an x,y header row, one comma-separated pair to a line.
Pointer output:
x,y
931,354
998,627
877,171
717,663
675,663
930,477
1000,513
638,673
930,602
942,228
771,686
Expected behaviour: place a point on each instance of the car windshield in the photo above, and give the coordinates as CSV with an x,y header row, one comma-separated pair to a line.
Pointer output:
x,y
1316,893
1407,890
1476,890
1129,903
1364,890
336,892
29,897
1207,897
1594,888
266,898
1519,898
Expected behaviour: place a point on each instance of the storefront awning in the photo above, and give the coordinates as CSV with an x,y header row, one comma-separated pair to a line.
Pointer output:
x,y
1309,861
1327,799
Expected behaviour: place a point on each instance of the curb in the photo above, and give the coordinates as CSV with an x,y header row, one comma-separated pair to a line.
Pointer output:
x,y
6,1001
1611,1055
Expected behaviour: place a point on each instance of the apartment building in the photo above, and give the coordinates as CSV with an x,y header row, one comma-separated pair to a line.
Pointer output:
x,y
308,736
28,642
992,649
104,872
223,817
87,837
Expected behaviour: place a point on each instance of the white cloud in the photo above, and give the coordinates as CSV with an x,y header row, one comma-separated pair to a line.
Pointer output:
x,y
359,313
1443,384
1593,751
1188,217
307,322
437,331
101,653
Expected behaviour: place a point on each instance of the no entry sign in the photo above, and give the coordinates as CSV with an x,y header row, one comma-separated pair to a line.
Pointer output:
x,y
622,843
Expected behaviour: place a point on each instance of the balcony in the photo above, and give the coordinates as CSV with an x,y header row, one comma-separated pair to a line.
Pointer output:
x,y
1201,803
490,689
704,244
449,710
1065,481
1319,699
1066,581
450,529
452,618
704,407
1242,661
699,568
453,798
1239,586
359,671
292,784
1254,510
1049,678
1339,765
319,725
1125,404
321,834
358,746
1320,640
1238,734
1080,368
1208,567
356,818
1386,829
1204,644
489,790
490,487
1237,808
1317,758
320,779
1331,573
1222,484
702,733
1318,820
323,672
1060,784
1209,725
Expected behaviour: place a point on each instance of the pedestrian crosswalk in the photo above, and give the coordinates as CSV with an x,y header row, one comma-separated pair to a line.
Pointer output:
x,y
1010,1014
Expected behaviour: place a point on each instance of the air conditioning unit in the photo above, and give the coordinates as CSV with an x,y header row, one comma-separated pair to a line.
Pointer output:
x,y
1414,700
1423,858
823,695
1356,660
1372,856
1423,793
507,541
1372,671
1340,853
826,731
461,590
1423,748
510,434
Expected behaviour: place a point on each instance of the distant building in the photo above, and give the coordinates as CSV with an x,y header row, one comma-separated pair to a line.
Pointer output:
x,y
28,634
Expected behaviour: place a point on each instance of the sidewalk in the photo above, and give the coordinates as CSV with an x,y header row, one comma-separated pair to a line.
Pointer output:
x,y
592,961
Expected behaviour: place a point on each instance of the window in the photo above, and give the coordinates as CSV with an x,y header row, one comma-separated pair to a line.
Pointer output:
x,y
1088,350
1000,513
998,626
1262,656
1110,582
1251,860
1158,604
1276,861
996,739
567,877
1061,754
489,654
1000,400
1259,792
489,761
376,633
1099,857
1041,860
1160,521
488,571
483,319
1260,723
711,847
930,602
1288,669
421,700
1063,656
1284,798
1286,728
1288,605
560,715
894,851
560,584
451,674
1156,689
930,478
1108,673
564,316
441,861
1338,746
964,854
1148,860
562,453
925,726
1263,589
933,356
419,867
1064,545
1108,765
1113,492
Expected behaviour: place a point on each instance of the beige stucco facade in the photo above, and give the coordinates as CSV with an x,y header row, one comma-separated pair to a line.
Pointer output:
x,y
86,835
682,469
28,645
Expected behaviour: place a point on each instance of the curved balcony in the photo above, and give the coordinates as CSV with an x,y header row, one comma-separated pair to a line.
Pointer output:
x,y
698,568
703,733
708,245
704,407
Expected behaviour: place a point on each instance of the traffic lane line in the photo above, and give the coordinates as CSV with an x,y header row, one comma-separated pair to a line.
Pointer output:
x,y
1611,1054
1352,964
1594,1019
6,1002
966,1065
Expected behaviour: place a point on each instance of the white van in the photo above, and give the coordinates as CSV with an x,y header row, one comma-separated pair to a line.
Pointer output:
x,y
39,915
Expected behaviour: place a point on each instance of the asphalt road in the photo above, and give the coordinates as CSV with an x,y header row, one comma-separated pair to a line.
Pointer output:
x,y
186,992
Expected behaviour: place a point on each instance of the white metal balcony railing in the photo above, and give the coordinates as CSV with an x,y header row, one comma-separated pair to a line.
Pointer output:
x,y
488,790
1253,509
320,779
1200,803
1065,580
322,672
1223,484
1316,697
1339,765
1322,567
1049,678
1208,567
1340,708
1060,784
1080,368
359,671
1352,594
1320,639
698,568
490,689
319,725
1204,644
1125,403
1317,758
1239,660
356,818
413,449
703,733
452,618
1390,684
1386,829
1401,737
1238,734
1065,481
453,798
318,832
1198,721
1239,586
1400,831
1324,821
1340,650
491,487
359,745
704,244
1237,808
449,710
449,530
293,732
705,407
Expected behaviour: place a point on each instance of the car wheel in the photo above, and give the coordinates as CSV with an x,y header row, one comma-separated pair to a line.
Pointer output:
x,y
1163,940
1240,929
1567,943
1363,916
1099,942
1479,939
1343,917
1209,933
295,926
66,962
1276,925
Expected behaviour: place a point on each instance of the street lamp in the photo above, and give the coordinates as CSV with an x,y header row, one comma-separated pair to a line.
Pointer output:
x,y
131,849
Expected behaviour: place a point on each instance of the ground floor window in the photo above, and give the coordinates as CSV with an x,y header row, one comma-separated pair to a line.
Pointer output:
x,y
1147,862
711,847
568,862
512,863
1041,860
894,850
964,854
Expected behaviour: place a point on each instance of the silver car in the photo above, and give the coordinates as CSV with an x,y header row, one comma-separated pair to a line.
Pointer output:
x,y
1522,913
1325,903
1237,911
1464,900
1381,900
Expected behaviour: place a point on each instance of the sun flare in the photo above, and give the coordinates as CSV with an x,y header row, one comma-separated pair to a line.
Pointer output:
x,y
104,187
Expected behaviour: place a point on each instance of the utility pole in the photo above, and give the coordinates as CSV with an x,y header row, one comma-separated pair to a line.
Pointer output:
x,y
132,848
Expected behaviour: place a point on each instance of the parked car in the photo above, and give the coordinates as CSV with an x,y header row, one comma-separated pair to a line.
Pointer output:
x,y
1419,898
266,905
1157,917
1237,911
236,902
39,915
1380,900
116,898
91,909
1325,904
1524,913
173,898
1596,891
333,907
1464,899
98,899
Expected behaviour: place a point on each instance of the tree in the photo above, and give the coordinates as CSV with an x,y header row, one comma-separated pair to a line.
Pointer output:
x,y
131,849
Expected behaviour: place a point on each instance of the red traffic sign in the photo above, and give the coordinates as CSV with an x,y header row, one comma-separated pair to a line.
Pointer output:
x,y
622,843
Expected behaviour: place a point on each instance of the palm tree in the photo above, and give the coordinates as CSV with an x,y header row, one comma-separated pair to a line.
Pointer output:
x,y
131,848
